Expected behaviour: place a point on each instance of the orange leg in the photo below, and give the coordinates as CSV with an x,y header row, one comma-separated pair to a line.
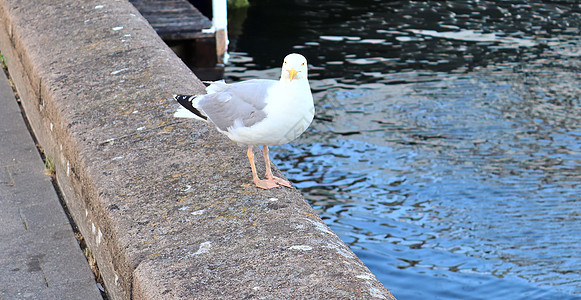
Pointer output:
x,y
263,184
269,175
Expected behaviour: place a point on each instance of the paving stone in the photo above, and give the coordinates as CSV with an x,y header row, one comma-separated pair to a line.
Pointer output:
x,y
11,220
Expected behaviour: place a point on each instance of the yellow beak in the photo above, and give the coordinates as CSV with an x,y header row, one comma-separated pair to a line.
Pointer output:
x,y
292,73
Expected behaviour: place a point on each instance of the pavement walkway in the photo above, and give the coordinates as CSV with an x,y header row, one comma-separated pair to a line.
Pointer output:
x,y
39,255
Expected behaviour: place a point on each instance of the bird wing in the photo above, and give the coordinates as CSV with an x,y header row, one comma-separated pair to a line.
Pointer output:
x,y
241,103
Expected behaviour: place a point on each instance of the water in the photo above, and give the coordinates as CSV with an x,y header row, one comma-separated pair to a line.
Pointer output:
x,y
446,150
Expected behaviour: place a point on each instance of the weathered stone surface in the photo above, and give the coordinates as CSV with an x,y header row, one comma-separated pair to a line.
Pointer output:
x,y
165,204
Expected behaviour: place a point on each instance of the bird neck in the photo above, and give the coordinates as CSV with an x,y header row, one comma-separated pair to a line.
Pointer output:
x,y
296,81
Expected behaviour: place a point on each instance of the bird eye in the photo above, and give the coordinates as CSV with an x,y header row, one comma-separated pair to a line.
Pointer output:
x,y
302,64
285,62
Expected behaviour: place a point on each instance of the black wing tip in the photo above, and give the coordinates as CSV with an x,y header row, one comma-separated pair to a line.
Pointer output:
x,y
186,101
181,98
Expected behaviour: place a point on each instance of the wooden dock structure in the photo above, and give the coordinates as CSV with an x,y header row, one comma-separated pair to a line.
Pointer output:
x,y
189,33
174,20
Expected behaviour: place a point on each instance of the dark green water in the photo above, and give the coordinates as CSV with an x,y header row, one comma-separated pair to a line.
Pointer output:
x,y
446,150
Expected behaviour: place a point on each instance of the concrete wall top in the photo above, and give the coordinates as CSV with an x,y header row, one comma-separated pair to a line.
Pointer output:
x,y
165,204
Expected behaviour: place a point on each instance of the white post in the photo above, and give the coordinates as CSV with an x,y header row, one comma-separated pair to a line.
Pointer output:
x,y
220,24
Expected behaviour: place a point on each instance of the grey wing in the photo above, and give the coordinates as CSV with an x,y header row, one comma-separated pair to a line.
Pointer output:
x,y
242,101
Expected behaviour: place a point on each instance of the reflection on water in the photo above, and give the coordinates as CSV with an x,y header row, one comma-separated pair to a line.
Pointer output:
x,y
446,150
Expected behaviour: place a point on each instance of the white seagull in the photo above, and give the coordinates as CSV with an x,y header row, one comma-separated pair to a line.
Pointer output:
x,y
258,111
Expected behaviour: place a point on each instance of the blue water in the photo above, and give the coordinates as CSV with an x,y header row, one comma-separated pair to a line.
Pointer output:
x,y
446,149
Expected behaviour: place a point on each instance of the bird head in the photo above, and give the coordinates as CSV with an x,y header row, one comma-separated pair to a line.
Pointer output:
x,y
294,67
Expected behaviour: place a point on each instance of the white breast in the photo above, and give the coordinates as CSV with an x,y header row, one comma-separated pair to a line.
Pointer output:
x,y
289,110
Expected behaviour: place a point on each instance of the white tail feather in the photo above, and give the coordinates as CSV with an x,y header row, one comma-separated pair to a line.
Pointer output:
x,y
182,112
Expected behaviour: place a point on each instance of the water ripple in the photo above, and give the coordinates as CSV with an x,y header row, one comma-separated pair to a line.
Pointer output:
x,y
446,149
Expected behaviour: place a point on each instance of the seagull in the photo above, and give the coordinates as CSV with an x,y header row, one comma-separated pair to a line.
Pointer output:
x,y
258,112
